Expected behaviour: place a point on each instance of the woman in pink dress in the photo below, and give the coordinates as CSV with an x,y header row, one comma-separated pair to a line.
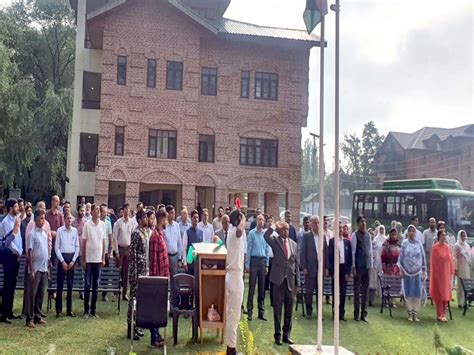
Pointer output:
x,y
442,270
390,254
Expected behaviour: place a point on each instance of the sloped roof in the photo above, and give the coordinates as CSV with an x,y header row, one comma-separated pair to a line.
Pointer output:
x,y
310,197
418,139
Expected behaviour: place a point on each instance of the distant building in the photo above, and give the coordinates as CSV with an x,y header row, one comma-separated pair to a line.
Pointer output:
x,y
175,104
310,204
428,153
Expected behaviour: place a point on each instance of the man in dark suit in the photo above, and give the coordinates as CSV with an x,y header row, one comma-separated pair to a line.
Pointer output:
x,y
345,268
309,259
291,230
283,277
222,233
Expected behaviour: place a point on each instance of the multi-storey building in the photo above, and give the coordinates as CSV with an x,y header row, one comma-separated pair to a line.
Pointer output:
x,y
428,153
174,103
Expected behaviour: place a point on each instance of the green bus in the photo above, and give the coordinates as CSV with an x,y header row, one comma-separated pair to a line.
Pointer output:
x,y
399,200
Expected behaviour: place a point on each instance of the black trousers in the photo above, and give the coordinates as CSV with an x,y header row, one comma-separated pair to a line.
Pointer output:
x,y
268,284
310,284
342,292
10,272
91,281
69,275
282,299
257,274
361,290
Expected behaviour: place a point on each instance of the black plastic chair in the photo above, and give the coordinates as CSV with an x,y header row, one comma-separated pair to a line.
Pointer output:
x,y
150,307
468,289
184,305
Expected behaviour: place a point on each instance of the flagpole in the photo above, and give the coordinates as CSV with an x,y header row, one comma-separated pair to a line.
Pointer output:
x,y
321,192
336,188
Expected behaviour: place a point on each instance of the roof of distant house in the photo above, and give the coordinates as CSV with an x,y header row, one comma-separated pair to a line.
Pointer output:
x,y
431,138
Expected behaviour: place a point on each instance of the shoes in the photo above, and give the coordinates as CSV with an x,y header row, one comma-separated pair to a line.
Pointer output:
x,y
139,332
94,315
6,321
356,318
308,317
58,314
364,319
156,344
288,340
262,318
14,316
43,315
135,335
231,351
249,317
342,319
30,324
125,298
278,341
71,314
40,321
105,299
86,316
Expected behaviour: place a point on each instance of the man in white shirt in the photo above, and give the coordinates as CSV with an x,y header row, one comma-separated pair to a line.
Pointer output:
x,y
67,252
234,282
217,222
108,240
429,238
122,234
174,245
206,227
93,254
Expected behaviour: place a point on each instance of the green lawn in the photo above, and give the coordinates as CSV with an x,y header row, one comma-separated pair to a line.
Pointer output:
x,y
382,335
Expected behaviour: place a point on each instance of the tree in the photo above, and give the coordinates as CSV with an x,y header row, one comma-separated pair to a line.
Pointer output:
x,y
41,37
309,168
359,155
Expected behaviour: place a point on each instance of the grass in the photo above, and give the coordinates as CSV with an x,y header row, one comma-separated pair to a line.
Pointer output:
x,y
383,335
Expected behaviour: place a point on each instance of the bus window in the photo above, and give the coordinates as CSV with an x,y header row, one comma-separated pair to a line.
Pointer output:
x,y
391,206
368,206
408,206
377,207
358,204
436,207
461,213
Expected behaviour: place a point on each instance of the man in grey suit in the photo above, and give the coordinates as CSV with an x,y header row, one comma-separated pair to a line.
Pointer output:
x,y
222,233
284,278
309,258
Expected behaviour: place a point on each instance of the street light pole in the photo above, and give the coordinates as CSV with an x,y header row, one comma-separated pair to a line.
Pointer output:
x,y
314,135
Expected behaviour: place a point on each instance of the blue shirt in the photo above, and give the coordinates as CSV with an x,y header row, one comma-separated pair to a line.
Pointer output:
x,y
173,240
38,243
256,246
183,227
15,245
195,235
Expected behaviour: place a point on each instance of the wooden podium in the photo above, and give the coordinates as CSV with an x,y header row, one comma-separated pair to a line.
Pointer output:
x,y
210,270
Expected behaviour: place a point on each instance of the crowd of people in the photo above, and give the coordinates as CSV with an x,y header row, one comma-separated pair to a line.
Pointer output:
x,y
155,241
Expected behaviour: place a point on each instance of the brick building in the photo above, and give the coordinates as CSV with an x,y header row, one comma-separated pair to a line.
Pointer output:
x,y
428,153
175,104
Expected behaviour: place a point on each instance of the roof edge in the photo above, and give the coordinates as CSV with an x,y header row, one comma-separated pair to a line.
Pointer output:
x,y
193,15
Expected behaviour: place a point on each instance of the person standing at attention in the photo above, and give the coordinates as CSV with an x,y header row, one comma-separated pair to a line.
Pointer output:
x,y
216,222
362,260
256,265
122,233
442,270
67,251
429,238
462,264
38,260
284,279
206,227
234,280
93,235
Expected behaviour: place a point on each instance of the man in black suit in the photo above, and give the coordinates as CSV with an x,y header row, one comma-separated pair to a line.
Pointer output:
x,y
345,268
310,255
283,277
291,230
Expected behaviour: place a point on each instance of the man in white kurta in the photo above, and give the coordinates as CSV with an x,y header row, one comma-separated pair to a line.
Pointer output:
x,y
234,282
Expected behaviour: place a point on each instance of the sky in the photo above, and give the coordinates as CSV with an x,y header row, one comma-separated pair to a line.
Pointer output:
x,y
405,64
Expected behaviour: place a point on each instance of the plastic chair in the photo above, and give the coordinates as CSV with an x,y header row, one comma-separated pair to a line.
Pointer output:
x,y
184,304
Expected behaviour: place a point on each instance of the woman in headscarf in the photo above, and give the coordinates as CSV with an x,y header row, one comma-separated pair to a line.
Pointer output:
x,y
390,254
412,264
462,264
442,270
399,227
374,282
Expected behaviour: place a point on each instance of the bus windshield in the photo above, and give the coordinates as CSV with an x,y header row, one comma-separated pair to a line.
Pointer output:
x,y
461,212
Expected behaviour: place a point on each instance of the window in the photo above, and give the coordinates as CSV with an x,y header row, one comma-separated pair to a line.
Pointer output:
x,y
162,144
209,81
151,73
206,148
88,148
121,70
266,86
174,75
259,152
244,84
91,83
119,140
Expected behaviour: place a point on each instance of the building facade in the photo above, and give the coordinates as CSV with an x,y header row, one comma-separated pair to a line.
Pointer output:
x,y
175,104
428,153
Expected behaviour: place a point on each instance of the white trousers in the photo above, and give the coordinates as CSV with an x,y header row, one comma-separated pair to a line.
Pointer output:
x,y
413,305
234,286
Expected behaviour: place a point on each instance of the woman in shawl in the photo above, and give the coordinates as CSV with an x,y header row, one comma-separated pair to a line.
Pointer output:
x,y
462,264
442,270
390,254
374,283
412,264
